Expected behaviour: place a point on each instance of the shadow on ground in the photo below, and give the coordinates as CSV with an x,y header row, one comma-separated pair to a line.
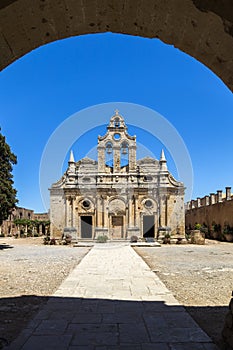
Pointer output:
x,y
5,246
65,323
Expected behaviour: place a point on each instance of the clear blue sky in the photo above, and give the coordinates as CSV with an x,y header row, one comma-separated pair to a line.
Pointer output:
x,y
45,87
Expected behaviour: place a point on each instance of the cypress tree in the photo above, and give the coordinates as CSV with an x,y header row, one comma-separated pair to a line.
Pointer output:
x,y
7,191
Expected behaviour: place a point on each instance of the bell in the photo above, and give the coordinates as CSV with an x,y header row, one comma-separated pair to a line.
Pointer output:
x,y
109,150
124,150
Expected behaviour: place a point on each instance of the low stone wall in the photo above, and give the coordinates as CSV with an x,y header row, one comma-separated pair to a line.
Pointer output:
x,y
227,332
220,213
214,213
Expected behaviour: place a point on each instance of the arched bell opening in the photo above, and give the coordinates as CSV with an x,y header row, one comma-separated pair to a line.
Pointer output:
x,y
124,154
109,154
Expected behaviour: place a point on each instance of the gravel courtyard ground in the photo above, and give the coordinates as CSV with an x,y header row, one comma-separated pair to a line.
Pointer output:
x,y
30,272
200,277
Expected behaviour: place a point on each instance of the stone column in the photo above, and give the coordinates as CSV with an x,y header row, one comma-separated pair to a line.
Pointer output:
x,y
132,158
136,217
228,193
207,200
198,202
212,198
101,216
67,213
69,229
219,196
98,212
162,211
133,219
101,159
73,212
105,223
130,212
116,159
70,212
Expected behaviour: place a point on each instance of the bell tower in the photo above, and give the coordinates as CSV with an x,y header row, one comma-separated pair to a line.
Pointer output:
x,y
117,149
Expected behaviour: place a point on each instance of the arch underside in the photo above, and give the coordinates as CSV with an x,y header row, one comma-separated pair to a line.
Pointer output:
x,y
201,28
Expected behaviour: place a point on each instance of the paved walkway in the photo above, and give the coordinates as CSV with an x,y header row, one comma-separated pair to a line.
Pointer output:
x,y
112,300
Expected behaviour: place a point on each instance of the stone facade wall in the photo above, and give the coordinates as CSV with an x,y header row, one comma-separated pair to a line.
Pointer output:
x,y
176,214
58,205
117,199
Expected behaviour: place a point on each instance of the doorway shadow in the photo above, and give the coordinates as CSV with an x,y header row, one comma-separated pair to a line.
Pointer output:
x,y
110,324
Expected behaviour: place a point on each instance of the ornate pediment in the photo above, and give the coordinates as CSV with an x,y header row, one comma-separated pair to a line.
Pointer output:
x,y
87,160
147,160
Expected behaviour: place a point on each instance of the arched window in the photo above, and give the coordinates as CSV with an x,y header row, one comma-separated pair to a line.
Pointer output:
x,y
109,154
124,154
117,122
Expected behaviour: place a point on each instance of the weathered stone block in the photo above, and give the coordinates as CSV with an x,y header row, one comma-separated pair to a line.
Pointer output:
x,y
197,237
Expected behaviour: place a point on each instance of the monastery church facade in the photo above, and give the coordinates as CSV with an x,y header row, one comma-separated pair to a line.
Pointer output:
x,y
117,195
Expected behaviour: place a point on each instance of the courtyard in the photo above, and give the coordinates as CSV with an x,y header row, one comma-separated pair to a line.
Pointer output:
x,y
199,277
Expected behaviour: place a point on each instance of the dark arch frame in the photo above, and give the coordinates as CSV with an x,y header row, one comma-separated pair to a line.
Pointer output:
x,y
200,28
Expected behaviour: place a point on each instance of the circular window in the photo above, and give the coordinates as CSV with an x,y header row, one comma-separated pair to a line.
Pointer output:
x,y
148,203
148,178
86,204
117,136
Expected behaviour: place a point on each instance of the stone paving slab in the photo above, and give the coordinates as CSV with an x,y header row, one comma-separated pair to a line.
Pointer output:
x,y
112,300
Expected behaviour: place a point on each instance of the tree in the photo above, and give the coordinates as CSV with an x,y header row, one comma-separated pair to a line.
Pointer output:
x,y
7,192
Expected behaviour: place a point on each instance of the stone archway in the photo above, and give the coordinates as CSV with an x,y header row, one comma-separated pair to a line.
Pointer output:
x,y
201,28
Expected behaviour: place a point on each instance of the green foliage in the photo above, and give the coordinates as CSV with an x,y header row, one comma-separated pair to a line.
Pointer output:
x,y
102,239
203,228
197,226
46,240
23,222
31,225
227,229
166,239
7,192
167,235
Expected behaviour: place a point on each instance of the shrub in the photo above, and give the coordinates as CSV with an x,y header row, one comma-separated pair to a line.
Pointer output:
x,y
166,239
46,240
197,226
102,239
133,239
52,241
227,229
68,239
203,228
